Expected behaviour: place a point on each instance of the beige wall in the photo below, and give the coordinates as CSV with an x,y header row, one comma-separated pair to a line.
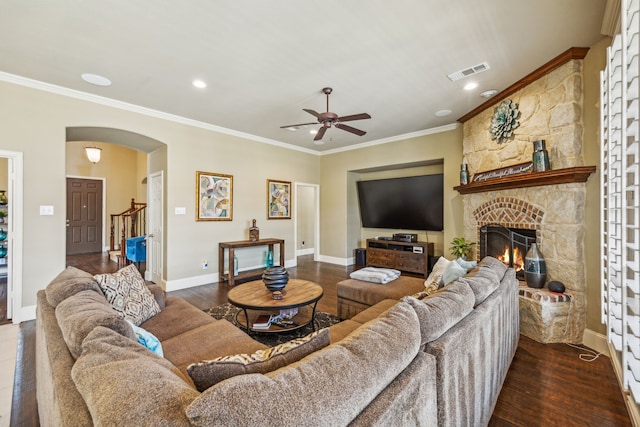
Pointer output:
x,y
304,204
34,122
338,199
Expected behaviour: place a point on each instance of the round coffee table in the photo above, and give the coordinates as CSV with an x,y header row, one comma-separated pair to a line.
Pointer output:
x,y
253,298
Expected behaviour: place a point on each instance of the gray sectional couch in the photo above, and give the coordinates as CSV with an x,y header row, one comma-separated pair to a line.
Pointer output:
x,y
436,361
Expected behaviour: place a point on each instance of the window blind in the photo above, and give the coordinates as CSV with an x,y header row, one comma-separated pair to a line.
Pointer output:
x,y
620,203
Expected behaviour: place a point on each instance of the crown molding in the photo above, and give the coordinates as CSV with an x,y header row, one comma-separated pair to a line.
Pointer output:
x,y
101,100
611,19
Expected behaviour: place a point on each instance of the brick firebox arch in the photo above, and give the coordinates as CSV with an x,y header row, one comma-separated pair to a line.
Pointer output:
x,y
509,212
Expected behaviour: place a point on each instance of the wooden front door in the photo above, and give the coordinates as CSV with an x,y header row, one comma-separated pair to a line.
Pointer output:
x,y
84,216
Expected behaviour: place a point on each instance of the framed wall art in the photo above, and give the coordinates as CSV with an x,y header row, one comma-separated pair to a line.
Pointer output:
x,y
214,196
278,199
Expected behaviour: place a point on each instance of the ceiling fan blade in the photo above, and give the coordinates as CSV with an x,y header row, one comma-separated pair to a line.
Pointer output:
x,y
313,113
298,125
350,129
320,133
360,116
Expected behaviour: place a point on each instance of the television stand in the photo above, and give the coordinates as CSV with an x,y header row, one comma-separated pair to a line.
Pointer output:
x,y
410,257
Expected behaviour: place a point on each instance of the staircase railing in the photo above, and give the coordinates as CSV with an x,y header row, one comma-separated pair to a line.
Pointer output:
x,y
131,222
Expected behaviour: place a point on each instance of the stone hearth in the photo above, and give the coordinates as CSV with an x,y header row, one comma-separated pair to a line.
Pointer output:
x,y
555,213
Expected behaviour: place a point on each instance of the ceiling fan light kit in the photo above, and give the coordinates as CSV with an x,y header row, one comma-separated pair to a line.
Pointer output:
x,y
329,119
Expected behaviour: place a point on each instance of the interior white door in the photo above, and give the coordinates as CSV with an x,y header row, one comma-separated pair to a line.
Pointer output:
x,y
155,237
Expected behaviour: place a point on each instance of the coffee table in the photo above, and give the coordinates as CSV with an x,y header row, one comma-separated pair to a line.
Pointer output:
x,y
253,298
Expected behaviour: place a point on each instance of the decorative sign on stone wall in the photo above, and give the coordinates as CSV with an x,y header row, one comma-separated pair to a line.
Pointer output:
x,y
502,172
504,121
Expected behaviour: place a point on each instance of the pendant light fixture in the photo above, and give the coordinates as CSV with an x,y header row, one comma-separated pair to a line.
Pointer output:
x,y
93,153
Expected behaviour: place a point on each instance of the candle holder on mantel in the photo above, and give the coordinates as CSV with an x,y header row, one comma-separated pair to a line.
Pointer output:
x,y
540,156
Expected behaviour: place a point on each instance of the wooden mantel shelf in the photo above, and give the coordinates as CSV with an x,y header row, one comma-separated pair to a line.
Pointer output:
x,y
533,179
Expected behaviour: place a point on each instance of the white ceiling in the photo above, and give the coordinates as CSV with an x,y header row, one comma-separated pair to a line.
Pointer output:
x,y
264,61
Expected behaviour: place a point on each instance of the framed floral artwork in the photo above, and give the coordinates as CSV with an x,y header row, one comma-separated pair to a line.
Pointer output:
x,y
278,199
214,196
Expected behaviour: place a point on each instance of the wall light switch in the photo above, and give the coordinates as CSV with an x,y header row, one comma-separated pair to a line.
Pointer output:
x,y
46,210
181,211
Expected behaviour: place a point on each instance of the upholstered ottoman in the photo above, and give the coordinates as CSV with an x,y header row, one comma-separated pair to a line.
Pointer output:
x,y
355,296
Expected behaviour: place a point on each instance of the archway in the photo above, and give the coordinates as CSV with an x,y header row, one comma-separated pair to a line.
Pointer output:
x,y
123,180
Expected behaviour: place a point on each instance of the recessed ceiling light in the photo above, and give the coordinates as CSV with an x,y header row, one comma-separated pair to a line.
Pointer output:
x,y
443,113
470,86
313,131
319,142
95,79
292,128
199,84
488,93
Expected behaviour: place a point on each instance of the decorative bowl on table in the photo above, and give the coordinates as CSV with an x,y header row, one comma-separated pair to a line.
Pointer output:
x,y
275,278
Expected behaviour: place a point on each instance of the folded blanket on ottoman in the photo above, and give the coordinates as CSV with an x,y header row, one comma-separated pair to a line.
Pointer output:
x,y
375,275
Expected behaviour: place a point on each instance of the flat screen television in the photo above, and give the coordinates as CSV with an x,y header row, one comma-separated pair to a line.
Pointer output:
x,y
409,203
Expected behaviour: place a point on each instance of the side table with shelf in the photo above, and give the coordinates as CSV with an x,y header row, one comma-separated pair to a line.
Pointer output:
x,y
231,247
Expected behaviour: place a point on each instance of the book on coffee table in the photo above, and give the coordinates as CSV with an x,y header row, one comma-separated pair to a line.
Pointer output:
x,y
262,321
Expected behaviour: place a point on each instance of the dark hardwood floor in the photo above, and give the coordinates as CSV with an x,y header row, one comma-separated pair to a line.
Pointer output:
x,y
547,384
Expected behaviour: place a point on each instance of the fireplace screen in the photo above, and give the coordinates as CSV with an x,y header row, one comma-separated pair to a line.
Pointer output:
x,y
509,245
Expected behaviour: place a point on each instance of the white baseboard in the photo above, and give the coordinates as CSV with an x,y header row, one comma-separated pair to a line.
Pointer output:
x,y
190,282
595,341
336,260
307,251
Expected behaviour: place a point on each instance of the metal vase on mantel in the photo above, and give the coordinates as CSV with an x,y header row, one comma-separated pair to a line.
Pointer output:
x,y
540,156
535,268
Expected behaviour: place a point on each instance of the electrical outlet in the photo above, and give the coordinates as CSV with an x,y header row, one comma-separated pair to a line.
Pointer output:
x,y
205,265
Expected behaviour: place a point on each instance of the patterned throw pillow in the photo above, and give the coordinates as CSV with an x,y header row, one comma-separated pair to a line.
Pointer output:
x,y
209,372
128,294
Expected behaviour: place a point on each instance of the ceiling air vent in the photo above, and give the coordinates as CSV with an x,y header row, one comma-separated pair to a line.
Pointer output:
x,y
468,71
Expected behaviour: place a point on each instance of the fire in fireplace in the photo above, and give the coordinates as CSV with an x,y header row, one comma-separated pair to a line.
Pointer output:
x,y
509,245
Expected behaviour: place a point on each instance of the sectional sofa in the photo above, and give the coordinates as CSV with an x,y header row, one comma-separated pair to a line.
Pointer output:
x,y
434,361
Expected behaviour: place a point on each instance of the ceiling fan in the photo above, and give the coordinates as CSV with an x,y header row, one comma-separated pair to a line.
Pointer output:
x,y
329,119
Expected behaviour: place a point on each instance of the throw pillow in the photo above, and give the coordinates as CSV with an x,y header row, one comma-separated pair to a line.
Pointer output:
x,y
466,264
128,294
209,372
71,281
147,339
435,277
453,272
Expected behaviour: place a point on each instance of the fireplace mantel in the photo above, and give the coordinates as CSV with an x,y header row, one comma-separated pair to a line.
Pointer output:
x,y
533,179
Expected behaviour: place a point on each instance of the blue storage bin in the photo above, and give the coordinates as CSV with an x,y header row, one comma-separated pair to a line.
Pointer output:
x,y
137,249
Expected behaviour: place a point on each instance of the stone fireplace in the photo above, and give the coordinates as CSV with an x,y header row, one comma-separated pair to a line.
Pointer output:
x,y
547,208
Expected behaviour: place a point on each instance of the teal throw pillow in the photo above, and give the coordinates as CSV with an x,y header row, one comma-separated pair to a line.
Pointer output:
x,y
147,339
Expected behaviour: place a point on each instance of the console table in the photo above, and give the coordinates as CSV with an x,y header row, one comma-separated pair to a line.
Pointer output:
x,y
231,247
